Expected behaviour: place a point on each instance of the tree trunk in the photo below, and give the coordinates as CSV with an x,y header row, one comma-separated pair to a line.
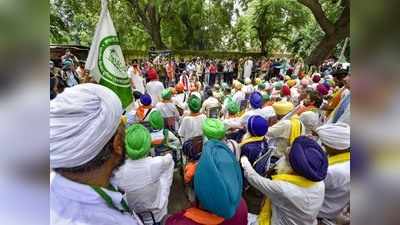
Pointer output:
x,y
263,47
156,37
323,50
333,32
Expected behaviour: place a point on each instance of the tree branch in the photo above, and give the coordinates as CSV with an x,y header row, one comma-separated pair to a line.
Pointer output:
x,y
319,15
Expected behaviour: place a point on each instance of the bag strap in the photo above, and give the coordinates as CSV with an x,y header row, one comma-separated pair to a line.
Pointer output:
x,y
147,113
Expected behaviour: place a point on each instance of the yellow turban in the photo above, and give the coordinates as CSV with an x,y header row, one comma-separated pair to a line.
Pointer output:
x,y
291,83
283,107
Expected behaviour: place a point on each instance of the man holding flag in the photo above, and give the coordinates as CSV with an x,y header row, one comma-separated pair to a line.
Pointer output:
x,y
106,61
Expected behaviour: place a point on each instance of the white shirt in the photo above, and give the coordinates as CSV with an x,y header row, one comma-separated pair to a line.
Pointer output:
x,y
248,89
232,122
154,89
147,184
337,190
239,96
78,204
291,204
191,126
180,100
248,65
168,109
249,113
137,80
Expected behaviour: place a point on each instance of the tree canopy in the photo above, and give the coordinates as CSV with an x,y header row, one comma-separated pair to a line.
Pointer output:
x,y
312,29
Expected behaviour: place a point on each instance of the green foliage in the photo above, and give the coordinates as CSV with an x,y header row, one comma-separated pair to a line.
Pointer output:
x,y
272,26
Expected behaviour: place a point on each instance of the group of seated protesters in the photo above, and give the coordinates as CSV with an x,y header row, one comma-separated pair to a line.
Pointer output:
x,y
288,138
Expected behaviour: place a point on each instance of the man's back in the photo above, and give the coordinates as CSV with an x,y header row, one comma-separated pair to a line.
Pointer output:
x,y
78,204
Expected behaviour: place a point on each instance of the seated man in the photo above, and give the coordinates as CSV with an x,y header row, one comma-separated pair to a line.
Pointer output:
x,y
145,108
336,140
145,180
191,124
160,136
167,107
86,146
254,144
296,196
210,102
218,188
256,102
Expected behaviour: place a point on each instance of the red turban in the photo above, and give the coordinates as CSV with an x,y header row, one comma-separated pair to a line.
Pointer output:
x,y
285,91
316,78
152,74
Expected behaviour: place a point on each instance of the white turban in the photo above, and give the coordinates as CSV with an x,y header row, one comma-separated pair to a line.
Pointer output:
x,y
335,135
82,120
310,120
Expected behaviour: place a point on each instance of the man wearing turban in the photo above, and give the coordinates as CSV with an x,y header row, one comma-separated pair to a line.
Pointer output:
x,y
218,189
296,196
239,94
257,108
191,125
154,87
144,109
283,133
180,98
210,102
86,146
336,140
254,144
168,108
145,180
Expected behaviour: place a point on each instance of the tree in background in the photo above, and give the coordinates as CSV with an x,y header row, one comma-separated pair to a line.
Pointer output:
x,y
333,17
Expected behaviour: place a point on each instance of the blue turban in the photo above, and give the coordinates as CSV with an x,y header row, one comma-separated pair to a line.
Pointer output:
x,y
308,159
145,99
256,100
257,126
218,180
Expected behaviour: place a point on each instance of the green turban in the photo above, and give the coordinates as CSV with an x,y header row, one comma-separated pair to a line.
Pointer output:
x,y
261,86
233,107
156,120
278,85
137,141
166,94
213,129
266,97
194,103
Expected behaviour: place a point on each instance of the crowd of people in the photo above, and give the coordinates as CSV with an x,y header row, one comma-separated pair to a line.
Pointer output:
x,y
233,129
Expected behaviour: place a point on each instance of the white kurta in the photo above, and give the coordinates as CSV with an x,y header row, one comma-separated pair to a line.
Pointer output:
x,y
168,109
137,80
78,204
337,190
239,96
154,89
180,100
191,126
147,184
248,65
291,204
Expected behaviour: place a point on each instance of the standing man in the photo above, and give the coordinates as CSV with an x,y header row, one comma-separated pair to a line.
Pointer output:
x,y
137,81
248,66
84,158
